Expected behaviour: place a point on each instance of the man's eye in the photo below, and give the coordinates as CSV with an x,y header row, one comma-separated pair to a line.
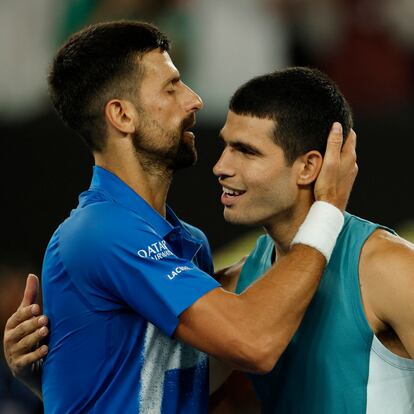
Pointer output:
x,y
245,150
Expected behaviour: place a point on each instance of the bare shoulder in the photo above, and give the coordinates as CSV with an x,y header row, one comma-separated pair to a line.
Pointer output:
x,y
384,250
387,274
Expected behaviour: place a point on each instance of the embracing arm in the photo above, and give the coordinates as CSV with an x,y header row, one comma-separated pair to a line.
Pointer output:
x,y
251,330
23,332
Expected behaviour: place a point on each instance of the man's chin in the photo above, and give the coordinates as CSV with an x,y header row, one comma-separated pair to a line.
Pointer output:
x,y
230,216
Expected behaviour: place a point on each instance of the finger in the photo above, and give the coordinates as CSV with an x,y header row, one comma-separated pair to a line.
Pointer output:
x,y
349,156
27,308
334,145
29,358
350,143
24,327
31,290
22,315
30,342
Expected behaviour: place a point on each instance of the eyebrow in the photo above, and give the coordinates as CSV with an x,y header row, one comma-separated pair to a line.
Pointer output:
x,y
173,79
240,145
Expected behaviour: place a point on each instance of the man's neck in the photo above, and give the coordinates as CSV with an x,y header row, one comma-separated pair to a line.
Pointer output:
x,y
151,185
284,227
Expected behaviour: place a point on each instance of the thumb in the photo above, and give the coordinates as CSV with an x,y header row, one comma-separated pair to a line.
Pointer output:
x,y
31,290
333,147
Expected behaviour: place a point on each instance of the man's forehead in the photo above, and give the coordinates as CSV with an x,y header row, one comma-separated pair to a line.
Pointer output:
x,y
244,125
158,64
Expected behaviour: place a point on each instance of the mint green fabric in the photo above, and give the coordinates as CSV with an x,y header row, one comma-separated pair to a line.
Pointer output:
x,y
324,370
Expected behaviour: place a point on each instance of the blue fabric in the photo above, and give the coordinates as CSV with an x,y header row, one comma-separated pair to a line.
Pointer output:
x,y
324,370
116,276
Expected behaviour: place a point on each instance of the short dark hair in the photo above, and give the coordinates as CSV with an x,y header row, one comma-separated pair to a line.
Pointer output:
x,y
303,102
95,65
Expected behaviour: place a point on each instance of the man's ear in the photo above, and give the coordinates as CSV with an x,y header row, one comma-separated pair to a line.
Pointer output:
x,y
309,167
121,114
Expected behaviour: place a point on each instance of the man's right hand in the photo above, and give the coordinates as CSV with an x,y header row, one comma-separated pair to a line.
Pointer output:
x,y
23,332
339,169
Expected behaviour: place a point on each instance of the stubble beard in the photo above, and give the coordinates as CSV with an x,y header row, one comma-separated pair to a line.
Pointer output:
x,y
173,154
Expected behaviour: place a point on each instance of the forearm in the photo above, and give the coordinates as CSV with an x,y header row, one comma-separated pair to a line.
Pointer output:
x,y
274,306
251,330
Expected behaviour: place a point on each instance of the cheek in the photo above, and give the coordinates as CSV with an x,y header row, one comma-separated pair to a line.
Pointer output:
x,y
264,176
256,173
273,186
163,110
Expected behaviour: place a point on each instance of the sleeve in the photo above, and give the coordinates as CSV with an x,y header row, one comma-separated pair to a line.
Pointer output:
x,y
204,260
117,261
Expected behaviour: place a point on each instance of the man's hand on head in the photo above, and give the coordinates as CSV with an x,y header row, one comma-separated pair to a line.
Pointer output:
x,y
23,332
339,169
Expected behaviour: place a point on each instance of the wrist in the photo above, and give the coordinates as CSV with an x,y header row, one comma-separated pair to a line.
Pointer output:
x,y
320,228
337,200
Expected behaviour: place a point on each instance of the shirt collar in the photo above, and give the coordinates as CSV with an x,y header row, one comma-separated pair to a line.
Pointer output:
x,y
118,191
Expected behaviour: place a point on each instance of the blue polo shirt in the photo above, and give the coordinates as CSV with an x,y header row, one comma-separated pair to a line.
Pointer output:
x,y
116,276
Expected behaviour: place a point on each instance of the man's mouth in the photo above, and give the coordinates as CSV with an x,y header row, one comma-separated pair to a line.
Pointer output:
x,y
188,123
232,193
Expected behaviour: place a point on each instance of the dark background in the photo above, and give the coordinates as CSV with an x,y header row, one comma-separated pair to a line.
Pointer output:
x,y
44,166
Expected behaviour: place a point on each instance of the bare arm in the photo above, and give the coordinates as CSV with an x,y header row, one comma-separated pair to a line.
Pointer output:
x,y
251,330
23,332
387,285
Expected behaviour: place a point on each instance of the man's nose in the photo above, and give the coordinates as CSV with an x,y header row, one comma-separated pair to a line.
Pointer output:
x,y
223,167
194,101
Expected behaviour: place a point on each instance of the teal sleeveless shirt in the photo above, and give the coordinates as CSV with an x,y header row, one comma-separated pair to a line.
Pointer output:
x,y
325,368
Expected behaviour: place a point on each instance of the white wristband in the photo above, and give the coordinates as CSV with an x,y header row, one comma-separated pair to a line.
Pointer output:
x,y
321,228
